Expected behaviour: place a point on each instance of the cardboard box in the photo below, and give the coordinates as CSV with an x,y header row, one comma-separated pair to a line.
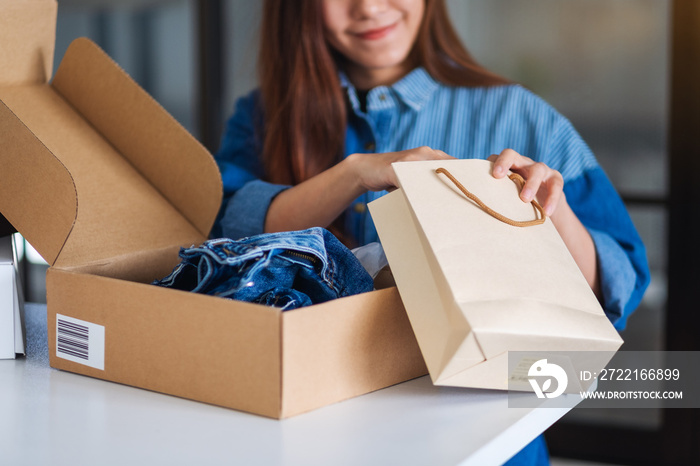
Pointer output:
x,y
11,302
107,186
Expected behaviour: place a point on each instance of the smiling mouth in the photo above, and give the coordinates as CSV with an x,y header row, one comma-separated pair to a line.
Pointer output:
x,y
375,34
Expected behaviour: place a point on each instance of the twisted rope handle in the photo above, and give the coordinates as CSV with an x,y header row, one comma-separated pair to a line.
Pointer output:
x,y
517,179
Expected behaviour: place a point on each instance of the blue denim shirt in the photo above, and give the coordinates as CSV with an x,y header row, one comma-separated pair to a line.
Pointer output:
x,y
465,123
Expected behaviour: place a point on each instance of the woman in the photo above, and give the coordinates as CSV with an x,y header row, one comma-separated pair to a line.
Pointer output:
x,y
349,86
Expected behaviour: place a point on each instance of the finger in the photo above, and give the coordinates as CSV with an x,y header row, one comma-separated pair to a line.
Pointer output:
x,y
492,157
521,164
503,162
535,176
555,189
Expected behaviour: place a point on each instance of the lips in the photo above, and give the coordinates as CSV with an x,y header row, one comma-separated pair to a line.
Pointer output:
x,y
374,34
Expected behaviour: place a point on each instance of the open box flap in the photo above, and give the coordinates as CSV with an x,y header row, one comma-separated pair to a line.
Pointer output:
x,y
173,161
34,178
27,31
144,183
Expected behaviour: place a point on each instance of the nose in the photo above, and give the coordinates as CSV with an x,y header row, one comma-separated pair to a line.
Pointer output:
x,y
363,9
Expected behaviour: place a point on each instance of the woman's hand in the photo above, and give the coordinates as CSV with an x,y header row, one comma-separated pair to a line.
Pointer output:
x,y
373,172
548,186
541,182
320,199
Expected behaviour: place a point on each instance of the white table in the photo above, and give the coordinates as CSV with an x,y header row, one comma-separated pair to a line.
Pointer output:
x,y
53,417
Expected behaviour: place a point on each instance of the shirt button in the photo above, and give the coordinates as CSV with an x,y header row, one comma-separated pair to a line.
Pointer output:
x,y
382,97
370,146
360,208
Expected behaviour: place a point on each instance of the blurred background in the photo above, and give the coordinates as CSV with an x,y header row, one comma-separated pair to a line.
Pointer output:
x,y
604,64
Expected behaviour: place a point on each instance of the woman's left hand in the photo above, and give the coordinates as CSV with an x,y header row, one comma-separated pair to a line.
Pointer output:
x,y
548,186
541,182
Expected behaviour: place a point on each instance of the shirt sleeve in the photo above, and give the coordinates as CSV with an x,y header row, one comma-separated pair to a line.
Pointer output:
x,y
622,262
247,197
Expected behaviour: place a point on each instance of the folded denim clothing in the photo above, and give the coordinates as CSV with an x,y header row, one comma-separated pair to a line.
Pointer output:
x,y
286,270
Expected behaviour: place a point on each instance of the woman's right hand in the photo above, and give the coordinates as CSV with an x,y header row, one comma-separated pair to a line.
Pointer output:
x,y
373,172
320,199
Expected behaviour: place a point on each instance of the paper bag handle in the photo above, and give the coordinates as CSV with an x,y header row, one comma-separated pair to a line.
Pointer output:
x,y
517,179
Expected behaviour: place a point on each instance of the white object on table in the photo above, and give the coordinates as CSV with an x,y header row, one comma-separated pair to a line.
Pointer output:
x,y
58,418
11,329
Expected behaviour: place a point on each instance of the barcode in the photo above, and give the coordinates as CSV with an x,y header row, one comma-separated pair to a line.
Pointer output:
x,y
73,339
80,341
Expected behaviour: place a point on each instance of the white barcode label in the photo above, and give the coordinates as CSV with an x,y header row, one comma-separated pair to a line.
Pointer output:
x,y
80,341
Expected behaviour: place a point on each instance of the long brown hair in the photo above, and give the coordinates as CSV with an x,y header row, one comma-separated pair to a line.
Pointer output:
x,y
303,104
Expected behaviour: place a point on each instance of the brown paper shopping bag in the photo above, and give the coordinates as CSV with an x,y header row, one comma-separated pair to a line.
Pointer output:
x,y
476,287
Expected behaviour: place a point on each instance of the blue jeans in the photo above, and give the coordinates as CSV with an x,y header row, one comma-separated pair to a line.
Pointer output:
x,y
286,270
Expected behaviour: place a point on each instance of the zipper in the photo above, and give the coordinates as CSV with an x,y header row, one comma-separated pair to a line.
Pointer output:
x,y
311,258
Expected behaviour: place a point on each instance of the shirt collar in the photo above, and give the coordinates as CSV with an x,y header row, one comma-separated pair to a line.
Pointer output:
x,y
414,89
